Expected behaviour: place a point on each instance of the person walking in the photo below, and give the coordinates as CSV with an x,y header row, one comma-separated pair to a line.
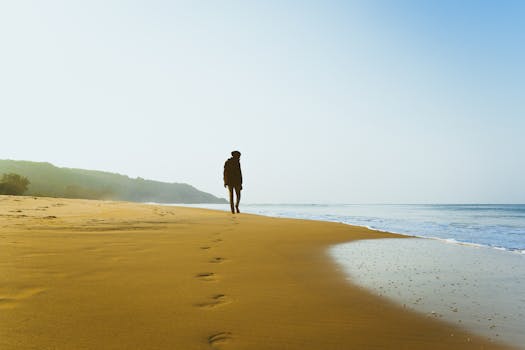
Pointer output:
x,y
233,179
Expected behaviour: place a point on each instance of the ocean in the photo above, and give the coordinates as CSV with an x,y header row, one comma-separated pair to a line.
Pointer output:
x,y
499,226
465,264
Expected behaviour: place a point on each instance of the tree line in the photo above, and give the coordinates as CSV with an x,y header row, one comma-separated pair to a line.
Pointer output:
x,y
13,184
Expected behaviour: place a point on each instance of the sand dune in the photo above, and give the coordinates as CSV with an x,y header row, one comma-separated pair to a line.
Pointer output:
x,y
78,274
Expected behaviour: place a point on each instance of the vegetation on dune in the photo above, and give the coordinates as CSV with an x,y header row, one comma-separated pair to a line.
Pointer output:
x,y
45,179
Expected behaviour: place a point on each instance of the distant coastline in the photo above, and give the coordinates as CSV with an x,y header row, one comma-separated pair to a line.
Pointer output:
x,y
48,180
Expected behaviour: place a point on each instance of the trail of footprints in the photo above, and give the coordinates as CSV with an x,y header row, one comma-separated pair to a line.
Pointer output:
x,y
217,340
206,276
215,301
217,260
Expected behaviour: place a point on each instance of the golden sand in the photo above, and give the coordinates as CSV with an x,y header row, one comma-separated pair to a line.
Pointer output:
x,y
79,274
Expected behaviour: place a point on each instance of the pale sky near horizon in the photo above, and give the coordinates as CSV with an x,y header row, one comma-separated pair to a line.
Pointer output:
x,y
328,101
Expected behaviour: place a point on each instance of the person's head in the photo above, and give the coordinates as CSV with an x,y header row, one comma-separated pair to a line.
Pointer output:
x,y
236,154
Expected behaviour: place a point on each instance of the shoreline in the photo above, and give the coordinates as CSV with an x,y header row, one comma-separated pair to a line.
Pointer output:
x,y
397,232
91,274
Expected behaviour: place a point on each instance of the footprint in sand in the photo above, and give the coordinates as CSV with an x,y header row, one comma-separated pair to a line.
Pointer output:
x,y
206,276
205,247
215,301
219,339
217,260
11,300
218,240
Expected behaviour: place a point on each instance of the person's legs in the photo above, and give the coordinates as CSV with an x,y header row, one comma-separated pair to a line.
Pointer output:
x,y
238,194
230,189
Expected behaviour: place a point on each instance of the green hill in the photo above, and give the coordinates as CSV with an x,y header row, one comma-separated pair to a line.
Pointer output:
x,y
51,181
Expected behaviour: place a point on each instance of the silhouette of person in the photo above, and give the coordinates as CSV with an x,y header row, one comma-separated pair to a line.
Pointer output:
x,y
233,178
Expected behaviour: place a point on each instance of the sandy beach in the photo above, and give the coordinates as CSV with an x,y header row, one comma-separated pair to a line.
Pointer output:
x,y
79,274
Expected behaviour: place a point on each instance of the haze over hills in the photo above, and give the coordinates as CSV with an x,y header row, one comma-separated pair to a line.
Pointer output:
x,y
51,181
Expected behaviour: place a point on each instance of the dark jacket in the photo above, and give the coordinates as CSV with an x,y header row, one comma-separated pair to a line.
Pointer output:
x,y
232,172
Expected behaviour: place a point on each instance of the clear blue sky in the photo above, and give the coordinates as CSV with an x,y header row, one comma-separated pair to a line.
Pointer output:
x,y
329,101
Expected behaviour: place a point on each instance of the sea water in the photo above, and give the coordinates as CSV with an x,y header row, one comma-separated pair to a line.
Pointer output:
x,y
470,270
499,226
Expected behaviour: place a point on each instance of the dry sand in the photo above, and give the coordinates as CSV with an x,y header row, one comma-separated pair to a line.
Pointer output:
x,y
78,274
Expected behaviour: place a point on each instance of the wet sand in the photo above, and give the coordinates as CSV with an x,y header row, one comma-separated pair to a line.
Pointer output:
x,y
477,288
79,274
